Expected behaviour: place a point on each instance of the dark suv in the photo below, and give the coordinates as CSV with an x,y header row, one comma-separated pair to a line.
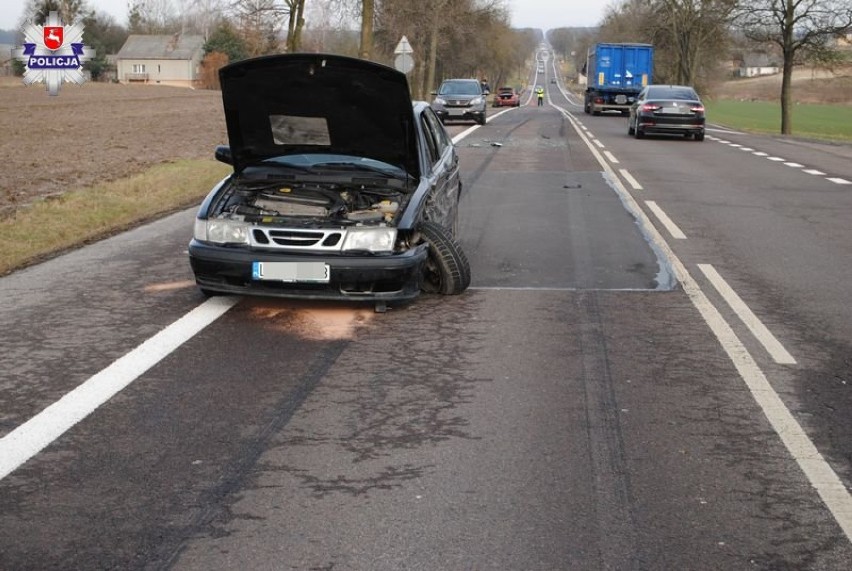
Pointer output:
x,y
460,100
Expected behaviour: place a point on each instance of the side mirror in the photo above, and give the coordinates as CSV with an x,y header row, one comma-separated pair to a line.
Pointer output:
x,y
223,154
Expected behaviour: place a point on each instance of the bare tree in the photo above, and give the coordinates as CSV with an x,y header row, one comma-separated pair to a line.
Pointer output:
x,y
688,35
259,23
368,15
153,17
295,24
796,27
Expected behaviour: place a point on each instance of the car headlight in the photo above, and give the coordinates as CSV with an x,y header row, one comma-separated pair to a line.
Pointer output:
x,y
477,100
374,240
440,101
221,231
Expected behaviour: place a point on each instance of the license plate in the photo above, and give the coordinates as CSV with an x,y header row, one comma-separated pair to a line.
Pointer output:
x,y
456,111
314,272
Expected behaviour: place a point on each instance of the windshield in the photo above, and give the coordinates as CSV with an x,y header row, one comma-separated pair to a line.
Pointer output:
x,y
460,88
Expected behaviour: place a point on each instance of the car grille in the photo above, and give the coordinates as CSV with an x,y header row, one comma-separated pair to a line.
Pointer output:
x,y
297,239
458,103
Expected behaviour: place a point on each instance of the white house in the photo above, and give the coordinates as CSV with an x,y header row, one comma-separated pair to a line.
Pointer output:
x,y
165,60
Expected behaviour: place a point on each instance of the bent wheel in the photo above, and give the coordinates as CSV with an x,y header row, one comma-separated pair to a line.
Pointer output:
x,y
447,270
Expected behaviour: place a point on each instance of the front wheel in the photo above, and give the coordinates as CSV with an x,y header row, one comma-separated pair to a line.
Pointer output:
x,y
447,270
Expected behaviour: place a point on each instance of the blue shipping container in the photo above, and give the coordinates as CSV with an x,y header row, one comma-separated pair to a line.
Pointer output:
x,y
624,66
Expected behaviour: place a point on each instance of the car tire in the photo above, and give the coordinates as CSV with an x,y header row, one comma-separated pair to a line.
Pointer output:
x,y
481,120
630,129
639,133
447,270
699,136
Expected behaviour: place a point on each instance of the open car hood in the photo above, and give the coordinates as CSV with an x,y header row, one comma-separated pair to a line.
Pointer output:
x,y
318,103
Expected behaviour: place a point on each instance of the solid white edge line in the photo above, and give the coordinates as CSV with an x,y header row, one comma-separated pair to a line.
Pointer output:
x,y
629,178
664,219
825,481
765,337
34,435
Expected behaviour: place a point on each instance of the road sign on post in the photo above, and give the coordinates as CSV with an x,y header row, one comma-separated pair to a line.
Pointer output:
x,y
404,60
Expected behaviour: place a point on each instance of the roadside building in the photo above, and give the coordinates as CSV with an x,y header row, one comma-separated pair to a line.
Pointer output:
x,y
160,59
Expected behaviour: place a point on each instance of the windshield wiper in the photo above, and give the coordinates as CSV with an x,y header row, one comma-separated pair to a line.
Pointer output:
x,y
348,166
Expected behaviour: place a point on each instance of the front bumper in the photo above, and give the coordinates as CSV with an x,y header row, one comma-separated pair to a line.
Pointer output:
x,y
394,277
470,114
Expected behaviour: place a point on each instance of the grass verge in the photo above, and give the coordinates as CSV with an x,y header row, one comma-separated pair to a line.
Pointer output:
x,y
832,122
79,216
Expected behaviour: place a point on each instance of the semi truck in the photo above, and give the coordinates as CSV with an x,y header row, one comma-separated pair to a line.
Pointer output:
x,y
616,73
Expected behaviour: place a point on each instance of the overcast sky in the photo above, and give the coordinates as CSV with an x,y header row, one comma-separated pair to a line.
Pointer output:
x,y
544,14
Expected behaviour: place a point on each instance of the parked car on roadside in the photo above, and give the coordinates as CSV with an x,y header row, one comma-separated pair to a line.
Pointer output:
x,y
460,100
343,188
507,97
667,109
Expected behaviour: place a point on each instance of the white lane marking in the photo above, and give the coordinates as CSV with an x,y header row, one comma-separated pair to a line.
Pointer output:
x,y
735,145
825,481
776,159
598,143
839,180
747,149
611,157
723,141
761,154
664,219
795,165
629,178
814,172
34,435
774,347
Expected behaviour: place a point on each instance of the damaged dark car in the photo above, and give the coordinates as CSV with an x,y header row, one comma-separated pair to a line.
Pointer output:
x,y
343,188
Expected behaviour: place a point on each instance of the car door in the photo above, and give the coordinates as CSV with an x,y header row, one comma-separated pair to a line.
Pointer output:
x,y
445,181
634,109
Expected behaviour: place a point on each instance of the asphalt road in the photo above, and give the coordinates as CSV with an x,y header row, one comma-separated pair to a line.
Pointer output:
x,y
597,400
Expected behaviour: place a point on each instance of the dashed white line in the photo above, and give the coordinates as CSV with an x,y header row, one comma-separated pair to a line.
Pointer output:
x,y
794,165
598,143
629,178
765,337
664,219
814,172
761,154
776,159
819,473
611,157
836,180
35,434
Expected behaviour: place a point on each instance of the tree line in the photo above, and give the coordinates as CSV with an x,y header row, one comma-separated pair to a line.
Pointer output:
x,y
474,38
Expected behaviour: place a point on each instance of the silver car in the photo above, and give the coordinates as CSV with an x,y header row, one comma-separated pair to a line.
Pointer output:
x,y
460,100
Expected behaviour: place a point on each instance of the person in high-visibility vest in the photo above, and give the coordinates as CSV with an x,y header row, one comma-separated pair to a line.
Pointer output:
x,y
539,91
